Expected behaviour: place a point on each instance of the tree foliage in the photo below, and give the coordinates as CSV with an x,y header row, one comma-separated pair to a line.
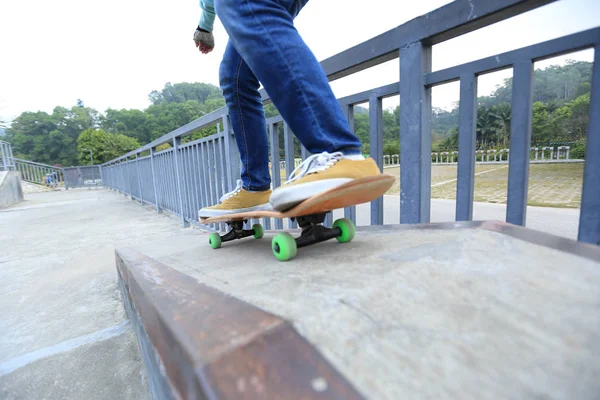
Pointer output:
x,y
53,138
104,146
561,98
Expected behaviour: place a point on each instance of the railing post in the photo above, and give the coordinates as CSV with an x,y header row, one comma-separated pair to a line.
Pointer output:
x,y
124,176
4,157
275,168
290,157
465,183
589,217
304,154
229,173
176,144
101,174
129,179
156,197
376,147
415,135
520,142
348,109
139,179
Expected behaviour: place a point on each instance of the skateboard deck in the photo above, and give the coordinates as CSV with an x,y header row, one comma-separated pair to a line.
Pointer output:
x,y
309,214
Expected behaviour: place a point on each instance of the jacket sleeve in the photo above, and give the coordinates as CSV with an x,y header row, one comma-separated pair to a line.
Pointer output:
x,y
207,19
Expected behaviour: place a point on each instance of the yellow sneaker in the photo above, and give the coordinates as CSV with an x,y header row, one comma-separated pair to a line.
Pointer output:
x,y
318,173
237,201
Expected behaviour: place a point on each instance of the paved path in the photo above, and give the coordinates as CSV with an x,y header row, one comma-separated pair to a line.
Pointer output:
x,y
63,330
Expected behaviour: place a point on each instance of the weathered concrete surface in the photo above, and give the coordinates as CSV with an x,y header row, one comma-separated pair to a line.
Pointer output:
x,y
424,313
58,285
484,312
11,191
106,369
29,187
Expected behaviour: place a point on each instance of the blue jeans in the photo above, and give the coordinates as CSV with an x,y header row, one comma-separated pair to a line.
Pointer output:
x,y
265,47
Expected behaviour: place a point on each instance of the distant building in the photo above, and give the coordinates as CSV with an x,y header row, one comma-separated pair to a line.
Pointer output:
x,y
2,132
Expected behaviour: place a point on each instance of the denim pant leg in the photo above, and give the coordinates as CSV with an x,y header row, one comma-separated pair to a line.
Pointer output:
x,y
240,89
263,33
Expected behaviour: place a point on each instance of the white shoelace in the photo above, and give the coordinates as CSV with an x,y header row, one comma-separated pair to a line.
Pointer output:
x,y
234,192
315,163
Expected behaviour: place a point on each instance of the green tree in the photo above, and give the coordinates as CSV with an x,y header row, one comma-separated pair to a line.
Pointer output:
x,y
104,146
540,123
503,112
185,91
580,109
132,123
487,124
50,138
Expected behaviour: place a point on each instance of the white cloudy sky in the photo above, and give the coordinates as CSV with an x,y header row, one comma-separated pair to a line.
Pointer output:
x,y
113,53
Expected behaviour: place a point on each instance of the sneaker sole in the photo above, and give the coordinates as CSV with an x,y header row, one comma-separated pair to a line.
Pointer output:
x,y
285,198
218,213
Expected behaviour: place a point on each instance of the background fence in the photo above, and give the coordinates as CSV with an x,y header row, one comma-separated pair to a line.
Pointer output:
x,y
42,174
192,175
78,177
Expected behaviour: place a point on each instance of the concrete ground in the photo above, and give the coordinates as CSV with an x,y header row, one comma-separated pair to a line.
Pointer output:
x,y
63,330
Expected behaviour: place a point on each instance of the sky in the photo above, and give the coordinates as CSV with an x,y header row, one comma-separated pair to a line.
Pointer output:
x,y
113,53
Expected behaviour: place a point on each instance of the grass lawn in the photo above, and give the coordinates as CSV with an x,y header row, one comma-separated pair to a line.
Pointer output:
x,y
550,185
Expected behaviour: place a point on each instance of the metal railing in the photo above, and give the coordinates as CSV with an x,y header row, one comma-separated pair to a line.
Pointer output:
x,y
7,161
188,176
42,174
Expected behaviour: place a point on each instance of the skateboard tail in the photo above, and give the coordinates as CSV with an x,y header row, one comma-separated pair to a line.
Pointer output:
x,y
350,194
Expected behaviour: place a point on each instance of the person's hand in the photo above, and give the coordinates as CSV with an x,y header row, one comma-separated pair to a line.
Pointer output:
x,y
205,41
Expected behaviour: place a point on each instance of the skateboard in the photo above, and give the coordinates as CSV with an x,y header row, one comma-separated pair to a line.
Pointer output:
x,y
309,214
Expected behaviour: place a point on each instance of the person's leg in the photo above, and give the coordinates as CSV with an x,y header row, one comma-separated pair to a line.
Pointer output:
x,y
263,33
240,89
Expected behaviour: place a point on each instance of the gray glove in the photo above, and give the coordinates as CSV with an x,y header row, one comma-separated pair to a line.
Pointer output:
x,y
205,41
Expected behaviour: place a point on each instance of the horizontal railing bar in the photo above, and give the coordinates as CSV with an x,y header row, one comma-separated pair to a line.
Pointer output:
x,y
35,163
445,23
206,139
381,92
275,120
187,129
536,52
163,151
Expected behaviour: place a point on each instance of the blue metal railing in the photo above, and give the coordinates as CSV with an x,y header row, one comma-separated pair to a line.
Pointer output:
x,y
188,176
7,161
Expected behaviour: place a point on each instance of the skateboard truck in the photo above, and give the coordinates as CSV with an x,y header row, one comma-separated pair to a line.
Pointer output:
x,y
284,245
237,232
313,231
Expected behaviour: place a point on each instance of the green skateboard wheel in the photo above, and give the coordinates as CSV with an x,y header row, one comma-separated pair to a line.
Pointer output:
x,y
348,230
214,239
284,246
259,231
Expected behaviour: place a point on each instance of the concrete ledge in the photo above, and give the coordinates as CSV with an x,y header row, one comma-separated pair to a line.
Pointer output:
x,y
532,236
11,191
198,342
